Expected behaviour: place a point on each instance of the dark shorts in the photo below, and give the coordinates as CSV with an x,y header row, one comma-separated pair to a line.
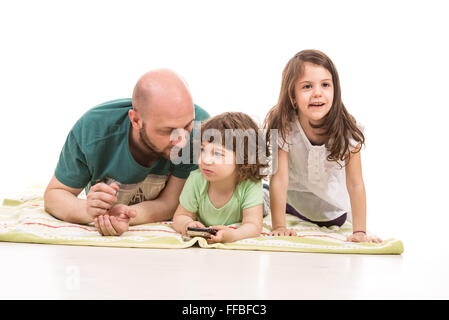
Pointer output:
x,y
336,222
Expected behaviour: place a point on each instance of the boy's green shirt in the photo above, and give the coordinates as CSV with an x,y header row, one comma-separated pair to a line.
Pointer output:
x,y
194,198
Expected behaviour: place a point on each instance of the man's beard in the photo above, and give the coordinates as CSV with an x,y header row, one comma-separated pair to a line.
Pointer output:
x,y
155,153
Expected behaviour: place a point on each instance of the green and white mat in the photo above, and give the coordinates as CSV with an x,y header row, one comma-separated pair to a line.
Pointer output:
x,y
23,219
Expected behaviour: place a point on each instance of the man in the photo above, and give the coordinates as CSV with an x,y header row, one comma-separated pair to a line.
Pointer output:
x,y
127,142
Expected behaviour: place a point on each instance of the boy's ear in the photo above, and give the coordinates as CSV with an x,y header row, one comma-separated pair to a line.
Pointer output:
x,y
135,119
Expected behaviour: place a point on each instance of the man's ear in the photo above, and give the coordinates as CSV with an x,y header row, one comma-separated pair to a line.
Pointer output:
x,y
134,117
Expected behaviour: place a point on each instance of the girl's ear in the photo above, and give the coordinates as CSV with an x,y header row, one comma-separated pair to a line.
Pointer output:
x,y
134,117
293,100
294,103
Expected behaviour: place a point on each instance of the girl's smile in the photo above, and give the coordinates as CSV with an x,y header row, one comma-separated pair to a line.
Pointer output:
x,y
316,104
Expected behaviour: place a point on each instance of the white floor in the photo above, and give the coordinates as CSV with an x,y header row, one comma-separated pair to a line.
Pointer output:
x,y
34,271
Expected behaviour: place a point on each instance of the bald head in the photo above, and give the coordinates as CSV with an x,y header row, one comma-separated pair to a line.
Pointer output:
x,y
162,105
161,92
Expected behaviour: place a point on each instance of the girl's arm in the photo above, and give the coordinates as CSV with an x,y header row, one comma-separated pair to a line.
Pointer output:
x,y
183,219
357,195
251,227
278,196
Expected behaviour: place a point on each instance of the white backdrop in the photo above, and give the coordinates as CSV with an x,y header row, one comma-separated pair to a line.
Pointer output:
x,y
59,58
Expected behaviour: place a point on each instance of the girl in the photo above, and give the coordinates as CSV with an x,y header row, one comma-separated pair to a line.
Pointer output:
x,y
227,187
319,172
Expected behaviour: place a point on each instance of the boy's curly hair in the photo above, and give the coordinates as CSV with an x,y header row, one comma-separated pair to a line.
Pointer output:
x,y
244,131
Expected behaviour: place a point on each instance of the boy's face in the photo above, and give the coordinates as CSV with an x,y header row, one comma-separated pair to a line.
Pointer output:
x,y
216,163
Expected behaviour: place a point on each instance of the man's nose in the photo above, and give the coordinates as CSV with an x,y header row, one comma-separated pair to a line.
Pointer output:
x,y
179,137
176,140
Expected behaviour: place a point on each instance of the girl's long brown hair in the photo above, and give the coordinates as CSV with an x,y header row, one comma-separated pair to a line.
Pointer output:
x,y
338,126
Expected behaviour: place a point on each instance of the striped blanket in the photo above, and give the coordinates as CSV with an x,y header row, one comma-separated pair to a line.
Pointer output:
x,y
23,219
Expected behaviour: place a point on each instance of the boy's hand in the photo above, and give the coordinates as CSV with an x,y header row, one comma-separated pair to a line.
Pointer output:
x,y
193,224
362,237
224,234
116,221
282,231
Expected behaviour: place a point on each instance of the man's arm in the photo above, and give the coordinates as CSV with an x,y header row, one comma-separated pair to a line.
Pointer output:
x,y
61,201
163,207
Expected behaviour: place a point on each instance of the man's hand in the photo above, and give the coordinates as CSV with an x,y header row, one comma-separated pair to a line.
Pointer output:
x,y
116,221
100,199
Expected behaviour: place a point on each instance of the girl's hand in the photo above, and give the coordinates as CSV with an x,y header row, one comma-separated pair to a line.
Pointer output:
x,y
194,224
224,234
282,231
362,237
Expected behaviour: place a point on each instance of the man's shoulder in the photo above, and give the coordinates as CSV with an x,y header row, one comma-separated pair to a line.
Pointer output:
x,y
200,113
108,110
116,103
102,121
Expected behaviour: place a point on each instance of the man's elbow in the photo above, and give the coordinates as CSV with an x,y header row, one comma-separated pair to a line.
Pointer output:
x,y
48,200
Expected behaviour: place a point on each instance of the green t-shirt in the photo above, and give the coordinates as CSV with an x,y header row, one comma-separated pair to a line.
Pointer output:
x,y
194,198
98,147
